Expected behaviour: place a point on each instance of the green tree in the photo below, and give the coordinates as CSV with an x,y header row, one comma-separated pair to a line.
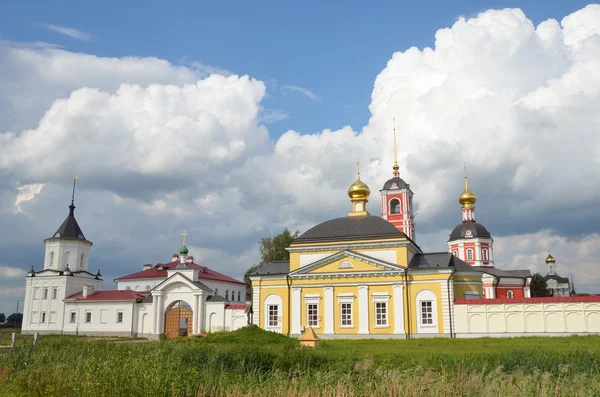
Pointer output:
x,y
2,317
538,286
273,249
15,319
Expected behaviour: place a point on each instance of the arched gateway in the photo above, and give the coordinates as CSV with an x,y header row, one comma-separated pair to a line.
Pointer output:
x,y
179,318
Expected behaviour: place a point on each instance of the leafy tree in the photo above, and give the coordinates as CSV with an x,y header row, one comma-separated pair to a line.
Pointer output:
x,y
15,319
538,286
273,249
2,317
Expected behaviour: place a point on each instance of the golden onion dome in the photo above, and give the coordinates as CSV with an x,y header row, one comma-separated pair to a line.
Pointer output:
x,y
550,259
467,198
359,191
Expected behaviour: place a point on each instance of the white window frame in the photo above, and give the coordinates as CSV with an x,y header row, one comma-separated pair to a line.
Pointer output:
x,y
510,294
45,293
55,293
346,299
313,299
273,316
273,300
73,317
426,316
390,208
470,255
226,295
119,316
88,316
239,296
485,255
43,318
380,298
424,296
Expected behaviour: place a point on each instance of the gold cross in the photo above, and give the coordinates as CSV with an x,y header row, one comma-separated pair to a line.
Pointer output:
x,y
184,234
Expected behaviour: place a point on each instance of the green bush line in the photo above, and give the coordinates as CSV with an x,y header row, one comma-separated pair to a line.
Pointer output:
x,y
251,361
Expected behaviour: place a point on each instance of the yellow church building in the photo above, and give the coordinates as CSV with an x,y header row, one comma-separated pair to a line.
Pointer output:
x,y
362,276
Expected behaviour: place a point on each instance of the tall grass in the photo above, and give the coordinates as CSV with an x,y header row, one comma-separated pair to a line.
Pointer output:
x,y
254,362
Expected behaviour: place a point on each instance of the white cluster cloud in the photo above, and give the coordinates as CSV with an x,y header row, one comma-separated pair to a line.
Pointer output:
x,y
169,148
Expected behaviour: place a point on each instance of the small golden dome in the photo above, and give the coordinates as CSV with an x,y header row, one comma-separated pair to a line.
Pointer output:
x,y
550,259
467,198
358,191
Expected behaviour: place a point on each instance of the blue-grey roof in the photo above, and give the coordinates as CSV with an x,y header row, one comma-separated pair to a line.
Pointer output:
x,y
275,267
436,260
476,229
350,228
395,183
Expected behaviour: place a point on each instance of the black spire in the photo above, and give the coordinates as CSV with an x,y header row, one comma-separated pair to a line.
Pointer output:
x,y
69,228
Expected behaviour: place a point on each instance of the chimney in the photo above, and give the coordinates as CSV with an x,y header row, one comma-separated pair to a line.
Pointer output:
x,y
88,290
175,258
147,267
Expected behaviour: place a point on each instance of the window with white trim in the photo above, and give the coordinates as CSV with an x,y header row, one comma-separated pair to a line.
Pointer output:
x,y
239,296
54,293
81,261
510,294
73,317
470,254
484,254
45,295
394,206
227,295
273,311
381,317
43,320
51,259
88,316
312,315
346,314
120,316
426,312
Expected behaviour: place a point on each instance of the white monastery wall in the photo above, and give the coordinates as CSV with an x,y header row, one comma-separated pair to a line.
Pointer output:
x,y
100,318
529,316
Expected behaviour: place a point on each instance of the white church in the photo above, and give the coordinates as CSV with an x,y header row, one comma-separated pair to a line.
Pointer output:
x,y
177,298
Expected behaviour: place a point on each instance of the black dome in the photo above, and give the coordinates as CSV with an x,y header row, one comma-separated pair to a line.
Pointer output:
x,y
395,183
473,229
350,228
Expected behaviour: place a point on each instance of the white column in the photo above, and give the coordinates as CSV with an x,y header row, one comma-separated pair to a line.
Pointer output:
x,y
398,309
195,314
256,306
160,315
154,314
328,311
201,312
296,309
363,309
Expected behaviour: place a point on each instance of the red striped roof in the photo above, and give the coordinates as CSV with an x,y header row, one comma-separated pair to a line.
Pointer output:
x,y
109,295
160,271
554,299
235,306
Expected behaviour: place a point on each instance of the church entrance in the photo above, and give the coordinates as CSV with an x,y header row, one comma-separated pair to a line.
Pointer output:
x,y
179,320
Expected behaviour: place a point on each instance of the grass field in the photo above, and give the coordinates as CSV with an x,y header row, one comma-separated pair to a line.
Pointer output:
x,y
254,362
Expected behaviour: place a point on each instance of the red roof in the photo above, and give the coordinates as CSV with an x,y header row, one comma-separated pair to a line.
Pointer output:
x,y
204,273
109,295
555,299
235,306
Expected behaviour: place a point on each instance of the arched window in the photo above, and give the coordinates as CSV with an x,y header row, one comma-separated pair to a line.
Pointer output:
x,y
51,258
426,312
470,254
81,261
239,296
510,294
137,287
227,295
67,258
128,288
394,206
148,288
484,254
455,253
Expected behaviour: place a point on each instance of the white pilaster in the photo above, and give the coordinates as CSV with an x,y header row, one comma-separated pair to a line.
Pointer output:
x,y
256,307
195,314
296,310
363,309
398,309
329,310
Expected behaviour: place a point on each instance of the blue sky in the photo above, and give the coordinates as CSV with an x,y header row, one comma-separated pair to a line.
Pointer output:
x,y
333,49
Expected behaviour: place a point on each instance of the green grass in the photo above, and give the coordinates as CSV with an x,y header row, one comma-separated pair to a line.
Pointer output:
x,y
254,362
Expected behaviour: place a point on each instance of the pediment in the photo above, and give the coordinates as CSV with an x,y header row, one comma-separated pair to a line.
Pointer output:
x,y
347,262
179,280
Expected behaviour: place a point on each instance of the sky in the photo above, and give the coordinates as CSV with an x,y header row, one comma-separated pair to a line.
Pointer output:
x,y
236,120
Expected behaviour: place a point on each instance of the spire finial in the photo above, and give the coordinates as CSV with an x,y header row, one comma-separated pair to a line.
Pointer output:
x,y
395,167
73,195
466,178
184,234
358,169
